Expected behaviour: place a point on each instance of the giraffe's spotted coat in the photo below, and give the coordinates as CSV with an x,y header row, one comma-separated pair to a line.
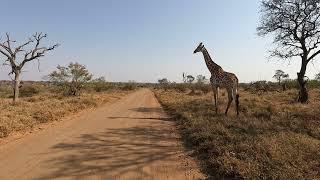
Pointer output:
x,y
220,78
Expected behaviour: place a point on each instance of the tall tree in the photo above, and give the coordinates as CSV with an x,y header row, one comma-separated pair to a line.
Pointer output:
x,y
16,56
295,25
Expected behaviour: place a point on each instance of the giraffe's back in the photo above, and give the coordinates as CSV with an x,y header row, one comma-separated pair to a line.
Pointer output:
x,y
224,79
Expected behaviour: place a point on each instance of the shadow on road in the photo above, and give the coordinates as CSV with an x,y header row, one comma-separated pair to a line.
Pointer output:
x,y
113,152
147,109
162,119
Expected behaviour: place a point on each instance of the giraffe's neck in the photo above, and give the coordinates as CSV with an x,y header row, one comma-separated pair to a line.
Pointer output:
x,y
212,66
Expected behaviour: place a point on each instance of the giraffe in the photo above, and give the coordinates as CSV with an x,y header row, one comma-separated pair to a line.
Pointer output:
x,y
220,78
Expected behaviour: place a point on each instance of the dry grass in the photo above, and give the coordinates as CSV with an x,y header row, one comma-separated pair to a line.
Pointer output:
x,y
273,138
46,107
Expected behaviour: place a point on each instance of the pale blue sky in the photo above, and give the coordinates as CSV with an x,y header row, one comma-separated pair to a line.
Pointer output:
x,y
144,40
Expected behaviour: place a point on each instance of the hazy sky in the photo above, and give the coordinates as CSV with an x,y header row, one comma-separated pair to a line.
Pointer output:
x,y
144,40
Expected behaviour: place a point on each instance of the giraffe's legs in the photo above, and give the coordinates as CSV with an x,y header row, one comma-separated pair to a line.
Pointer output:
x,y
230,99
236,102
215,96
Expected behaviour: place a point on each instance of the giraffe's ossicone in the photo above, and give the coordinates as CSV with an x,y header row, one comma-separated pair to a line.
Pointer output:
x,y
220,79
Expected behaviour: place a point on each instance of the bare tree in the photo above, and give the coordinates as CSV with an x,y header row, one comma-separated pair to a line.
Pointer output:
x,y
13,54
296,27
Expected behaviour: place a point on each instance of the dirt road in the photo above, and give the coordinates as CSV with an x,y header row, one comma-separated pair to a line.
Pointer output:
x,y
130,139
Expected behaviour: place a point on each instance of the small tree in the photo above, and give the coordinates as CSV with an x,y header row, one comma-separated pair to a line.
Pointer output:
x,y
72,77
190,79
279,75
296,27
17,56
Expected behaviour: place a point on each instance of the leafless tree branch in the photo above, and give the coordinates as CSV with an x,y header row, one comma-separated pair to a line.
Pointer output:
x,y
34,53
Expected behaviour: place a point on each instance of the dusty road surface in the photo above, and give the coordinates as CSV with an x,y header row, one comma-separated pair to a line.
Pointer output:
x,y
130,139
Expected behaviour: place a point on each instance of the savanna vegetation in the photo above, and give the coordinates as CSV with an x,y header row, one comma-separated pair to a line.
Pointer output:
x,y
42,102
295,28
275,137
16,56
66,90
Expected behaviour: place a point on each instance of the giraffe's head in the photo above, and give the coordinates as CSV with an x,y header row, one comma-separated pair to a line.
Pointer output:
x,y
199,48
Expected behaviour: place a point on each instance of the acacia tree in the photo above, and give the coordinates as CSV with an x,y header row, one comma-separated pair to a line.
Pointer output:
x,y
72,77
17,56
295,25
279,75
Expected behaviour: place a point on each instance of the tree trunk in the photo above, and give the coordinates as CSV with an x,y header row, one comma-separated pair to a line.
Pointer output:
x,y
16,86
303,93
